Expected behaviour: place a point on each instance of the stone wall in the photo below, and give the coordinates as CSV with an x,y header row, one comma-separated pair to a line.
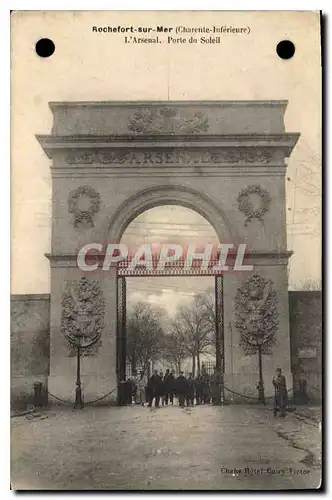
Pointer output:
x,y
30,334
305,308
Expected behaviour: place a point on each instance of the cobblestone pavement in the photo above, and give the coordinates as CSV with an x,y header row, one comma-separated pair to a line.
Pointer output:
x,y
233,447
311,412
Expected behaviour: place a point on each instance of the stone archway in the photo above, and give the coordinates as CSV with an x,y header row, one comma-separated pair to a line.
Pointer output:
x,y
171,194
112,160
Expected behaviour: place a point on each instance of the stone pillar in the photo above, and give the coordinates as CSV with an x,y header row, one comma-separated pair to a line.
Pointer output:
x,y
98,371
241,369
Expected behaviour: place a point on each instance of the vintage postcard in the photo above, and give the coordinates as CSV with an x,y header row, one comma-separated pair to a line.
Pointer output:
x,y
166,317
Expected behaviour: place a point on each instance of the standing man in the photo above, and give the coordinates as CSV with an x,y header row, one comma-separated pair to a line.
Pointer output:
x,y
135,379
166,386
279,382
190,390
199,389
206,387
215,386
171,386
181,389
125,392
141,388
162,388
154,389
130,389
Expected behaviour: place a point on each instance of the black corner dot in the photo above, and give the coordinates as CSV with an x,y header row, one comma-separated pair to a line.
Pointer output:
x,y
45,47
285,49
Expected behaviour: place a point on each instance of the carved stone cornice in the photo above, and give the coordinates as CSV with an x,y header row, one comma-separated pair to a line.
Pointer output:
x,y
30,296
264,257
138,118
172,157
285,140
282,103
269,254
255,257
181,151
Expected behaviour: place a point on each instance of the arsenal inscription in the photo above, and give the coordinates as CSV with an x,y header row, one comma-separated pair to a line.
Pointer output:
x,y
141,157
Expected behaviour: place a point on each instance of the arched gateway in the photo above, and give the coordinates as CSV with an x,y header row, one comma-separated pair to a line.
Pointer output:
x,y
113,160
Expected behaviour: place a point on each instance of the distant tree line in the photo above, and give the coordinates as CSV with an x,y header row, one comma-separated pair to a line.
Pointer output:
x,y
152,335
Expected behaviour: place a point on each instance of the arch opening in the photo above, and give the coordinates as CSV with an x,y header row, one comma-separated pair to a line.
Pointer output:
x,y
169,224
180,196
149,308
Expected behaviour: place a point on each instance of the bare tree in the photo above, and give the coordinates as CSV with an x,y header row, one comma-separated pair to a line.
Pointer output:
x,y
208,307
175,348
145,334
190,323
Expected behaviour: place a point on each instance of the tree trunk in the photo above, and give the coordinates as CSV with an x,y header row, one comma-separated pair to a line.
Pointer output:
x,y
198,363
148,367
261,395
179,367
194,365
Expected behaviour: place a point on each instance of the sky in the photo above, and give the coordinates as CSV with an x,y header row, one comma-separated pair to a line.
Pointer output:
x,y
92,67
168,224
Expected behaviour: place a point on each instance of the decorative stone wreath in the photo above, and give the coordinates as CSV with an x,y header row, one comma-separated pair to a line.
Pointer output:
x,y
246,206
83,216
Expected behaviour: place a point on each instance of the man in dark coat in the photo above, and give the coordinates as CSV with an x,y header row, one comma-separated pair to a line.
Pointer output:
x,y
162,388
206,387
199,389
154,384
125,392
166,386
130,390
279,382
215,382
171,386
190,390
169,381
181,389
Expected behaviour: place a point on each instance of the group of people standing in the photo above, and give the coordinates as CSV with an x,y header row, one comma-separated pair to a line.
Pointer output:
x,y
161,388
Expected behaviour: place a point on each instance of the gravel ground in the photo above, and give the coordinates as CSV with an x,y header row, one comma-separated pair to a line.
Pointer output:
x,y
134,448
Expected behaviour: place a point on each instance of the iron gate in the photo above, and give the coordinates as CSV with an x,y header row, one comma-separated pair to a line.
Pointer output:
x,y
121,342
220,338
